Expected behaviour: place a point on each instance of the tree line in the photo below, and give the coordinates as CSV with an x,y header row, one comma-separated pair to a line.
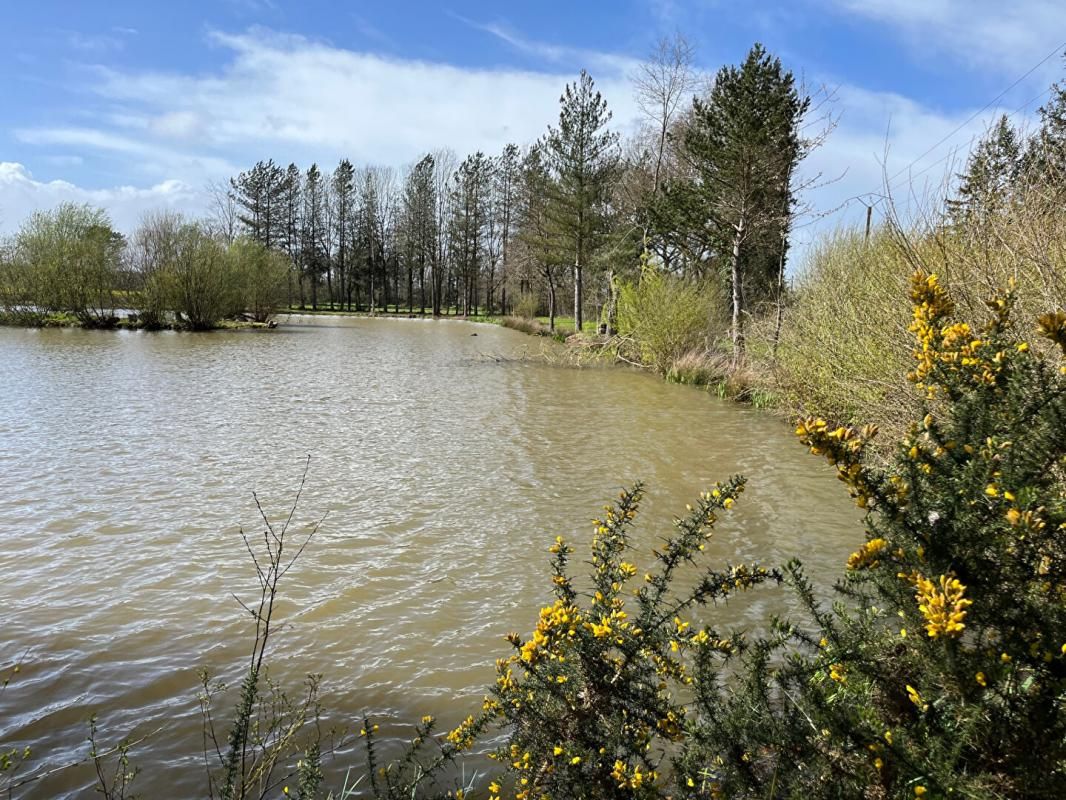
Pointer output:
x,y
705,191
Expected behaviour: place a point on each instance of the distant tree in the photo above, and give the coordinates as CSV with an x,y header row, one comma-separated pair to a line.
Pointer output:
x,y
742,146
992,173
583,157
467,226
444,163
537,241
69,259
201,283
505,189
223,210
312,253
292,221
418,225
154,250
1046,155
664,83
260,275
259,194
343,216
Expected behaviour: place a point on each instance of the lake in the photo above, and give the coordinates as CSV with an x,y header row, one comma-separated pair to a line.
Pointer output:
x,y
443,461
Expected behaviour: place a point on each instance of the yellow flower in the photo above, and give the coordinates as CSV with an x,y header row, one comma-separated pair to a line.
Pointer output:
x,y
943,606
919,791
867,555
463,737
980,678
575,760
557,750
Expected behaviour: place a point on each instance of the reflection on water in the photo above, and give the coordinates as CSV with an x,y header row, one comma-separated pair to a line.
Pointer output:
x,y
127,463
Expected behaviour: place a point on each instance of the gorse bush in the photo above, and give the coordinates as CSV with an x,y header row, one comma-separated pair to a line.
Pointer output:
x,y
940,672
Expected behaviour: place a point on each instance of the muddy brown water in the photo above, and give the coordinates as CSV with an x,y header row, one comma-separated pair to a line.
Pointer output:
x,y
444,465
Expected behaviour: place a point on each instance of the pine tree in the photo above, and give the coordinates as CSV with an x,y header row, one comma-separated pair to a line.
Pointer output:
x,y
743,145
343,212
259,193
291,203
1046,156
313,229
470,194
537,238
583,157
991,173
418,227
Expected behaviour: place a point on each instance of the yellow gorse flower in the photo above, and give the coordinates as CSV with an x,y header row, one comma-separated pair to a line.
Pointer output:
x,y
867,555
943,605
463,736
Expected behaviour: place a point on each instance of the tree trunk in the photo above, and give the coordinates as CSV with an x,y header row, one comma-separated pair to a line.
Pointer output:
x,y
780,298
551,306
737,330
578,292
612,303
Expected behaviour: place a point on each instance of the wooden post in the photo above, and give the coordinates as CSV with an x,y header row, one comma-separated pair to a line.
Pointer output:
x,y
869,217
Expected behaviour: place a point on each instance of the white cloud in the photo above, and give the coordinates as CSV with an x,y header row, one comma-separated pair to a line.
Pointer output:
x,y
21,195
593,61
989,34
291,98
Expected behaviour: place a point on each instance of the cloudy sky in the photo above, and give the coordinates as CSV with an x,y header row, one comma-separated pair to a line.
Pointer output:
x,y
136,105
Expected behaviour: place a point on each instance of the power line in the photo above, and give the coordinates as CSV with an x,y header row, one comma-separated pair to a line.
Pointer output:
x,y
952,153
980,111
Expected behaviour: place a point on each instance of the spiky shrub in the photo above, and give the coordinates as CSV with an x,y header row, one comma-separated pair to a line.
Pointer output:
x,y
943,670
940,671
594,700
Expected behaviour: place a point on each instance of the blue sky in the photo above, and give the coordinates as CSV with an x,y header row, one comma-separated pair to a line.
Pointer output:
x,y
137,105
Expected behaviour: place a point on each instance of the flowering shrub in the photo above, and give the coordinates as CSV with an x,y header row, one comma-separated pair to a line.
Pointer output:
x,y
942,671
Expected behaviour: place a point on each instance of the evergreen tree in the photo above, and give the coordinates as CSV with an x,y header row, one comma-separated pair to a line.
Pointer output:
x,y
1047,150
344,210
259,194
991,173
311,249
583,157
418,227
743,144
470,195
291,203
537,240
